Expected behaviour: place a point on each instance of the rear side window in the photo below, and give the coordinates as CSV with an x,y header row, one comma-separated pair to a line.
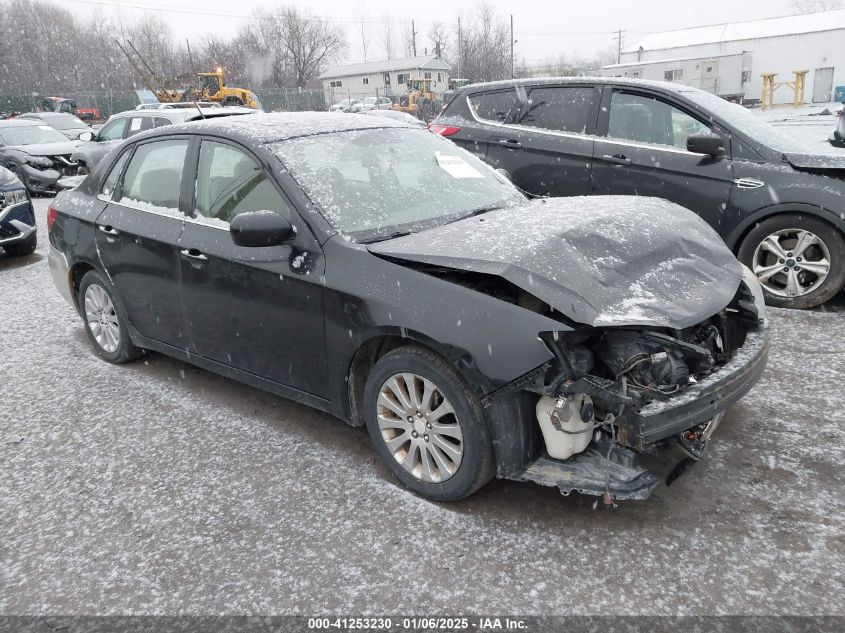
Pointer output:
x,y
139,124
564,109
160,121
111,180
154,175
230,182
494,106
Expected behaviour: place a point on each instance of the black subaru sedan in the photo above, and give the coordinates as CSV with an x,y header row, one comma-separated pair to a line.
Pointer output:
x,y
778,203
375,271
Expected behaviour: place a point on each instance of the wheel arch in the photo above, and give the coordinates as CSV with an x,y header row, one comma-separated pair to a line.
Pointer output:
x,y
77,271
737,235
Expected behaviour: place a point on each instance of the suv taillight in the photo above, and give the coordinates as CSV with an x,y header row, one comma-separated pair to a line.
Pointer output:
x,y
443,130
51,217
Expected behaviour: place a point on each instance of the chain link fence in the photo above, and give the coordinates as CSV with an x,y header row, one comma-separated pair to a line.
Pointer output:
x,y
109,103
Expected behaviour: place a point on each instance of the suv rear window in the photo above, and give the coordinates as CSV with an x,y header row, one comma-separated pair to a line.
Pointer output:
x,y
494,106
564,109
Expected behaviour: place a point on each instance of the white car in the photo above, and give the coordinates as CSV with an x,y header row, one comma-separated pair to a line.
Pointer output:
x,y
837,137
345,105
372,103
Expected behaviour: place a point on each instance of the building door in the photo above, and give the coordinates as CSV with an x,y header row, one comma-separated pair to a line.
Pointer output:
x,y
710,75
823,85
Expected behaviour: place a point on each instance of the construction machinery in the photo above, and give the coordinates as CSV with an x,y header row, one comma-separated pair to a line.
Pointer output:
x,y
420,100
211,86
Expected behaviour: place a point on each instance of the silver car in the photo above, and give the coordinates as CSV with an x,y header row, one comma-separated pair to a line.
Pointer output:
x,y
837,137
372,103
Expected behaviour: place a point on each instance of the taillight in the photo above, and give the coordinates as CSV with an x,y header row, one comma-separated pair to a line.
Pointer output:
x,y
443,130
51,216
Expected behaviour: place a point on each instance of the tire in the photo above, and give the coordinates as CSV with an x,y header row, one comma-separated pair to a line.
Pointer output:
x,y
772,243
439,475
232,101
21,249
114,347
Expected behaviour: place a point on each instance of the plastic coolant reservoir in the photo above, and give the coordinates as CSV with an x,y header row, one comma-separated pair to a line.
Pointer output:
x,y
559,444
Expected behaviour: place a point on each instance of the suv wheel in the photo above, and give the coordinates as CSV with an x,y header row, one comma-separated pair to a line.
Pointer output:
x,y
799,260
427,426
105,321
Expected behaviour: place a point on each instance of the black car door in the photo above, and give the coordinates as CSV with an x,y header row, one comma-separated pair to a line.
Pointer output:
x,y
547,148
641,150
259,310
137,237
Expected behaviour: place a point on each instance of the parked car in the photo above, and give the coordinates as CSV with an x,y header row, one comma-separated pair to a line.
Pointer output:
x,y
370,269
126,124
345,105
17,219
837,137
778,204
37,153
67,124
372,103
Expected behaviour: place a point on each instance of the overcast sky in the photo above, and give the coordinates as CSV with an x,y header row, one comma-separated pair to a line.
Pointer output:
x,y
542,28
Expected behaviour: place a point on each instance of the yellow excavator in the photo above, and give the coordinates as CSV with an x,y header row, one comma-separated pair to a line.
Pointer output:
x,y
211,86
419,101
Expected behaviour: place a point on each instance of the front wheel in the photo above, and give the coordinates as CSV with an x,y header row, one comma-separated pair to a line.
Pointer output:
x,y
799,260
105,321
427,426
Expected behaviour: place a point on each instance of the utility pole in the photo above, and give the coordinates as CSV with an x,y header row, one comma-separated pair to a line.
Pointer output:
x,y
513,74
414,38
460,46
619,46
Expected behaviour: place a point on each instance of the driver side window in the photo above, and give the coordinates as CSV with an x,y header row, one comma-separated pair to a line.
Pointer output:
x,y
230,182
112,131
648,120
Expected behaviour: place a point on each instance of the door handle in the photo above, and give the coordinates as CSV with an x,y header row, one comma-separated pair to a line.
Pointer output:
x,y
108,230
616,159
510,143
194,254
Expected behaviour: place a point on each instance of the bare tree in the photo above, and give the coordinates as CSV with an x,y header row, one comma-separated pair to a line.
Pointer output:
x,y
408,40
310,43
484,51
387,38
438,35
814,6
364,29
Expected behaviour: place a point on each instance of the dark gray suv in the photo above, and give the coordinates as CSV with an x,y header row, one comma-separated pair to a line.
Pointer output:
x,y
777,203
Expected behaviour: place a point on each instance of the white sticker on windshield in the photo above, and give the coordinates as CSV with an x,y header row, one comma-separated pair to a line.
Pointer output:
x,y
134,124
457,167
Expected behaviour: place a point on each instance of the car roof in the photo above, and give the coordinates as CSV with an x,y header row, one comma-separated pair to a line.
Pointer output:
x,y
46,115
20,122
183,113
262,128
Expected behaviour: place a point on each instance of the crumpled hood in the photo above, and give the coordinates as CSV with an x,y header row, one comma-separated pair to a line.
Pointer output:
x,y
47,149
600,260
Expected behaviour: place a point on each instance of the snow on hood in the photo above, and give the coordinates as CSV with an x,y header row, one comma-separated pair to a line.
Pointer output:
x,y
817,161
599,260
47,149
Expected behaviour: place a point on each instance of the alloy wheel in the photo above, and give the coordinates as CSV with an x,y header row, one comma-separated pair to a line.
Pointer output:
x,y
101,318
791,262
419,427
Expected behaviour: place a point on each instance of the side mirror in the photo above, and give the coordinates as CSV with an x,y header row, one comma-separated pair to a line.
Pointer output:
x,y
86,136
709,144
260,228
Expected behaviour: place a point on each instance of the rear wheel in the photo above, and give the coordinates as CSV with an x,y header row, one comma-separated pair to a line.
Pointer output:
x,y
427,426
799,260
105,320
27,247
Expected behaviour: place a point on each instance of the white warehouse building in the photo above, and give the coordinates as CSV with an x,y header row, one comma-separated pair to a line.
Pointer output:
x,y
730,59
384,78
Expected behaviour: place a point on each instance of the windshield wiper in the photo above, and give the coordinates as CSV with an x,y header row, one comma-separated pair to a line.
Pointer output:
x,y
383,238
483,209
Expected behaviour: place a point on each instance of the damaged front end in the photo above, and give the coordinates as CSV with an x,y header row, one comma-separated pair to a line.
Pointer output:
x,y
614,393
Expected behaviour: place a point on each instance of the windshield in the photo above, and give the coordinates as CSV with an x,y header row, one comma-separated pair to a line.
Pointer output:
x,y
31,135
374,183
66,122
750,125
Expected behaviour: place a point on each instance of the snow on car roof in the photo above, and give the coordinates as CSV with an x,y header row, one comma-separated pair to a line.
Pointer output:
x,y
534,81
268,128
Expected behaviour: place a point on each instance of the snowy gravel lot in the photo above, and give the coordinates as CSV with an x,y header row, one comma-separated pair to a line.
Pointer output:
x,y
158,488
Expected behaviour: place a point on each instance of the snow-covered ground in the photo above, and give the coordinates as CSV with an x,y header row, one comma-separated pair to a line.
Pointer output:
x,y
158,488
810,123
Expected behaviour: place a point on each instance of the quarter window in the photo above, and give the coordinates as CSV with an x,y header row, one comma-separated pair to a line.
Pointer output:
x,y
161,121
154,175
111,180
562,109
112,131
139,124
649,120
229,183
494,106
